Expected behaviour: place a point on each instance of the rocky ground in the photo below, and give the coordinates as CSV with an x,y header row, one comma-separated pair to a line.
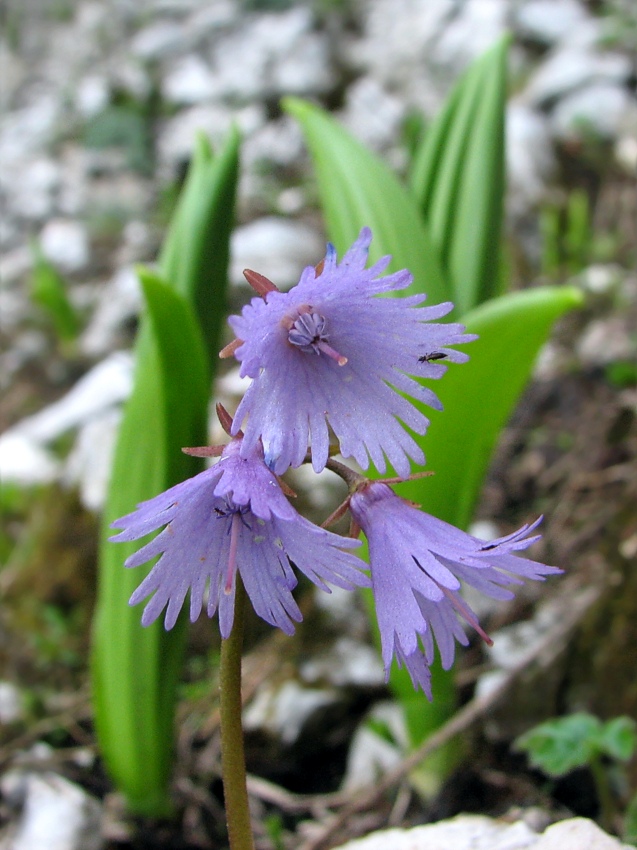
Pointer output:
x,y
101,104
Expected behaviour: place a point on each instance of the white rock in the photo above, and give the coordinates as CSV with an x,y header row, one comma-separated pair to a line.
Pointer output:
x,y
158,41
177,137
89,463
92,95
283,711
13,265
11,708
372,114
548,21
577,834
345,663
27,130
369,757
119,301
279,142
530,160
304,69
32,189
189,81
605,341
246,60
477,832
276,247
57,816
571,68
469,34
66,244
598,110
24,462
465,832
626,153
104,385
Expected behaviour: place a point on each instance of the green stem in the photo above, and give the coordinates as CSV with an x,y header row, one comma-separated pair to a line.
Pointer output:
x,y
233,764
602,785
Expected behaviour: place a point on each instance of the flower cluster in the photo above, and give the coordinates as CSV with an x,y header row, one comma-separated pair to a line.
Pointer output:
x,y
329,360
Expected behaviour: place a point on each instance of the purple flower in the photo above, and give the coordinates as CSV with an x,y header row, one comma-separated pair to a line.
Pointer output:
x,y
232,517
418,563
330,354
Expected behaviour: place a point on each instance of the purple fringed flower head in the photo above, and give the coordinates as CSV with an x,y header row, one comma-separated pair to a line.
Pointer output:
x,y
234,517
418,563
332,354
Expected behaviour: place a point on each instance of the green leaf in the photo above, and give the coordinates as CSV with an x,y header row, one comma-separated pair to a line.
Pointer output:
x,y
559,746
479,397
194,257
358,189
458,180
49,292
135,670
618,738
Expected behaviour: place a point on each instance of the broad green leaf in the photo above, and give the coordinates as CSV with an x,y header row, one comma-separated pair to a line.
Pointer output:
x,y
357,189
559,746
458,180
135,670
194,257
618,738
479,397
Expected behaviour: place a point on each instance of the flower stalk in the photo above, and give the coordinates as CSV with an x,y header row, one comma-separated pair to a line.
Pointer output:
x,y
233,765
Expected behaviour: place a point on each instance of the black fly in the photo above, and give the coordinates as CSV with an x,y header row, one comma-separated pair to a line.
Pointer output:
x,y
435,355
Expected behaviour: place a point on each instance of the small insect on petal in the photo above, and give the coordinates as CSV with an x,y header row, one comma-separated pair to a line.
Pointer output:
x,y
435,355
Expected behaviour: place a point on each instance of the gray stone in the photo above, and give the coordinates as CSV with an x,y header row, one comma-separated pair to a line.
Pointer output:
x,y
396,47
276,247
607,340
190,81
32,187
24,462
11,707
346,663
477,832
159,40
119,301
104,385
598,110
572,68
369,757
177,136
470,33
92,95
66,244
343,611
464,832
258,58
548,21
530,159
57,815
88,466
283,711
372,114
305,69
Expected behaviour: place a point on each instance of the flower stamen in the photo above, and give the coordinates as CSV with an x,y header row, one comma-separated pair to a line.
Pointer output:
x,y
307,332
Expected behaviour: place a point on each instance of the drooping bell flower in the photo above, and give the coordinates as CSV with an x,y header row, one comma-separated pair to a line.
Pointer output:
x,y
418,563
231,519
